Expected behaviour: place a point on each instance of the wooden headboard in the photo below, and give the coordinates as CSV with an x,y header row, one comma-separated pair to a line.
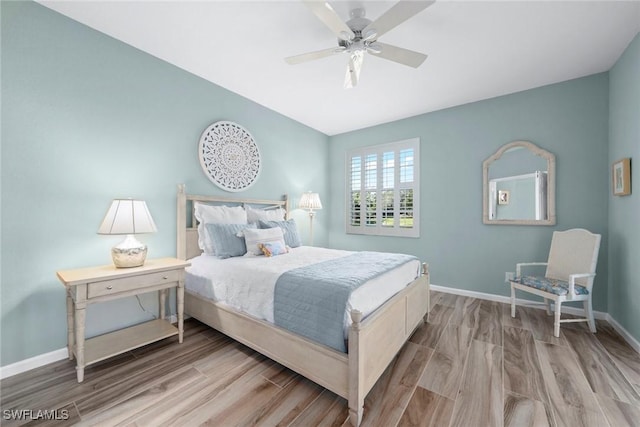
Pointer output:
x,y
187,241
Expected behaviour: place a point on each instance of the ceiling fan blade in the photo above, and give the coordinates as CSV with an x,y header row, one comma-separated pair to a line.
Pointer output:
x,y
353,69
395,16
330,18
310,56
401,56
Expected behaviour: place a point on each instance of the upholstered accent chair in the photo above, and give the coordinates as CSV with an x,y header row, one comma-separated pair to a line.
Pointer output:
x,y
571,268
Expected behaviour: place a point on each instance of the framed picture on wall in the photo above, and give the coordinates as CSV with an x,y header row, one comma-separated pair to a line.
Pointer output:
x,y
503,197
621,175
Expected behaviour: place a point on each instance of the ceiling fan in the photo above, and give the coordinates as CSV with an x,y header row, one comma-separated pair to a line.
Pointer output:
x,y
359,35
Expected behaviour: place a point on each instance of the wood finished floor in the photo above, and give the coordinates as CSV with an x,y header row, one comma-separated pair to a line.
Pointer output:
x,y
469,365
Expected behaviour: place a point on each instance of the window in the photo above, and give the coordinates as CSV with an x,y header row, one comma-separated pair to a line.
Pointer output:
x,y
383,184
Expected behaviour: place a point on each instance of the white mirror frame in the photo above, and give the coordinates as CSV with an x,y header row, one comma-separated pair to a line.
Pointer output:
x,y
551,185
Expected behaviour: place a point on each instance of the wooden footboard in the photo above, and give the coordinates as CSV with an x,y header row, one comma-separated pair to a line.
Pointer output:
x,y
375,342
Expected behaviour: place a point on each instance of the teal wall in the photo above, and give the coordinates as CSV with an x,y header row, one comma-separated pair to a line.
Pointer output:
x,y
624,212
86,119
569,119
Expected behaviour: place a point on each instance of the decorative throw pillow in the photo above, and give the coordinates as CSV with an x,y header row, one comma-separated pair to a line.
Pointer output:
x,y
226,241
208,214
252,237
289,229
273,249
255,215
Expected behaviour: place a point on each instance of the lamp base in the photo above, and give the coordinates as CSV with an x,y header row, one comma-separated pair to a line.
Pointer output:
x,y
129,253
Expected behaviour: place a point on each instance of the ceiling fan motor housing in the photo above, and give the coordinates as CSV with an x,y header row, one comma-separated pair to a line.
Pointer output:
x,y
360,41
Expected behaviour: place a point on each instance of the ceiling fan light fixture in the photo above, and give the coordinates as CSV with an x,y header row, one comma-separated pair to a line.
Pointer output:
x,y
370,34
353,69
357,46
343,35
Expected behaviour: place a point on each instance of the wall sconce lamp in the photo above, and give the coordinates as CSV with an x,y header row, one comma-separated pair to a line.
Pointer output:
x,y
311,202
129,217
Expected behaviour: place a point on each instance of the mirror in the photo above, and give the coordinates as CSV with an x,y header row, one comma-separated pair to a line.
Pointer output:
x,y
518,185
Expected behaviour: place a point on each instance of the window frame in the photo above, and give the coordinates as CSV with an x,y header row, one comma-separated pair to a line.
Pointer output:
x,y
379,150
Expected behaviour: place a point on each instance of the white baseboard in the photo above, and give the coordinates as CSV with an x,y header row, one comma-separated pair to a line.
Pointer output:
x,y
44,359
523,302
33,362
625,334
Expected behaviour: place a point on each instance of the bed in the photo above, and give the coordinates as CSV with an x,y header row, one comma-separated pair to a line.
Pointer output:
x,y
372,338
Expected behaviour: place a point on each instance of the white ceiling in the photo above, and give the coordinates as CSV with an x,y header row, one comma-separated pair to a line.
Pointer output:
x,y
477,50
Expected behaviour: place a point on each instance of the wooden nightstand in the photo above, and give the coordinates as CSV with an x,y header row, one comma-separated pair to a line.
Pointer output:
x,y
97,284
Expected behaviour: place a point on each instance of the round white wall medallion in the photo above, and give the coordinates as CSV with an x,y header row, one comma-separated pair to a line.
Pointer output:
x,y
229,156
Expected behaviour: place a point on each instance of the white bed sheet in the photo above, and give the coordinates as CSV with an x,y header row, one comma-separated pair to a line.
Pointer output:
x,y
247,283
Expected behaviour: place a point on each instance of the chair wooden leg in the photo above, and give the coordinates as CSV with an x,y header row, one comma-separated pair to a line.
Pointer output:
x,y
548,302
513,301
556,322
588,311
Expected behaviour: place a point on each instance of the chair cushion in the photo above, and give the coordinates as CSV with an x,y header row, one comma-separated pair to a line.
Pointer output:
x,y
553,286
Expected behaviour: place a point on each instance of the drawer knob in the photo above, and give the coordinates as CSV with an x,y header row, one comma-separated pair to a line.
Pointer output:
x,y
109,287
165,277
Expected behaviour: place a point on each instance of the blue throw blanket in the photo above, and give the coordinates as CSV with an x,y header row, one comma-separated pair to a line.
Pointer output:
x,y
311,301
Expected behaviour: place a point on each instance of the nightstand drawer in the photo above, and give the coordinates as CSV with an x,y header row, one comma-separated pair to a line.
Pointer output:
x,y
109,287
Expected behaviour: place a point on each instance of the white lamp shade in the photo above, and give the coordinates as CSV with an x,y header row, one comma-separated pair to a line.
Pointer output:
x,y
127,216
310,201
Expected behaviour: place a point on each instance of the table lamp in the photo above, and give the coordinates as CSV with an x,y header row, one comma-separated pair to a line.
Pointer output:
x,y
129,217
311,202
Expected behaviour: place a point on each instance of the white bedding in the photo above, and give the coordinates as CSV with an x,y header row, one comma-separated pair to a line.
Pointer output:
x,y
247,283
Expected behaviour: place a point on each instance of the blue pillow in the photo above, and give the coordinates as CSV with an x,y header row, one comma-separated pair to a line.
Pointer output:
x,y
289,228
225,239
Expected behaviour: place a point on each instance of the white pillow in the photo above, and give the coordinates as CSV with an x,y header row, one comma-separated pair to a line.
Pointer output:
x,y
255,236
255,215
208,214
